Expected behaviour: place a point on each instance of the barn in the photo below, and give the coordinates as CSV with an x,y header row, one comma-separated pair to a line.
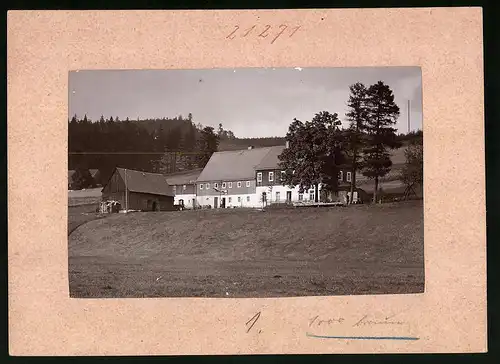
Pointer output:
x,y
137,190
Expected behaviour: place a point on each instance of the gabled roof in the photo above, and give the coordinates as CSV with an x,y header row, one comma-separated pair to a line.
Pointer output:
x,y
184,177
144,182
93,172
271,160
233,165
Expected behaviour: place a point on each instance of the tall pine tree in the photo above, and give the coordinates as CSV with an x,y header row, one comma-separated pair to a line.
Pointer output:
x,y
381,134
357,116
208,144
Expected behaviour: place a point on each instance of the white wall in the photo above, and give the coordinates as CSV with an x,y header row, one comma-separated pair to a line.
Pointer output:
x,y
209,200
255,199
271,195
187,198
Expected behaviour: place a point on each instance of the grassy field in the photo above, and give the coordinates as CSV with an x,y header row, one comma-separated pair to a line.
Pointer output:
x,y
81,214
84,197
362,249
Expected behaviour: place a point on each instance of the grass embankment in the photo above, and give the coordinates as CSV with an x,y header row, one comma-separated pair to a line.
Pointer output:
x,y
243,253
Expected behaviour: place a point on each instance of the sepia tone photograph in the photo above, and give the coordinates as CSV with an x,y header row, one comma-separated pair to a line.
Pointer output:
x,y
247,182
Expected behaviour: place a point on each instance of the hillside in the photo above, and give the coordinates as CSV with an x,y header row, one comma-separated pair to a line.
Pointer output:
x,y
243,143
376,249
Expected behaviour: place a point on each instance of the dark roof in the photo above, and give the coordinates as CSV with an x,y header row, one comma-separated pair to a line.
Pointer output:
x,y
184,177
270,161
233,165
144,182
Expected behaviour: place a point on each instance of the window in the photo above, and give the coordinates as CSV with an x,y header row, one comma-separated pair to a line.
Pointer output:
x,y
341,175
201,186
348,176
238,184
223,184
271,176
184,187
311,195
259,177
301,196
174,188
216,185
248,183
207,185
277,197
239,199
248,198
229,199
230,184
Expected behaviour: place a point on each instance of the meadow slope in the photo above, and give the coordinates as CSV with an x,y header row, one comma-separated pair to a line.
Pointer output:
x,y
366,249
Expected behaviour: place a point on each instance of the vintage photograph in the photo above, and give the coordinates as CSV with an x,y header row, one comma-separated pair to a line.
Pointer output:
x,y
247,182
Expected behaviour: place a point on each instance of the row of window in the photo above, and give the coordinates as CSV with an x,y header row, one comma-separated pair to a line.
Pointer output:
x,y
229,199
184,187
270,176
289,196
347,176
224,185
259,179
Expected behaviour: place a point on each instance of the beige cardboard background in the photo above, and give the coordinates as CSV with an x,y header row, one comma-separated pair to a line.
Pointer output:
x,y
44,45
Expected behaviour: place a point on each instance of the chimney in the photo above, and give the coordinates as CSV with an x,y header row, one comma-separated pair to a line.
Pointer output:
x,y
250,147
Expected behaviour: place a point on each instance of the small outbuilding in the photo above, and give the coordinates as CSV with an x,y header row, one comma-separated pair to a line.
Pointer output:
x,y
96,176
140,191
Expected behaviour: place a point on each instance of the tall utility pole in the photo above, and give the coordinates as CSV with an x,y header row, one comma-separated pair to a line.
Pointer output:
x,y
126,193
408,116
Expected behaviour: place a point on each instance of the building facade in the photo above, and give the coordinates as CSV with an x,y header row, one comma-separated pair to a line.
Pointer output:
x,y
183,187
252,178
228,179
227,193
271,188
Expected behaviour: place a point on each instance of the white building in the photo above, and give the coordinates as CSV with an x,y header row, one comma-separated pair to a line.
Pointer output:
x,y
183,186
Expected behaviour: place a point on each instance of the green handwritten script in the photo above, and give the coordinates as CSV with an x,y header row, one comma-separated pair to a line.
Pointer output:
x,y
268,32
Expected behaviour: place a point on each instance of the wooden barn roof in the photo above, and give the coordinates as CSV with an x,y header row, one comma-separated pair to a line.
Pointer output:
x,y
144,182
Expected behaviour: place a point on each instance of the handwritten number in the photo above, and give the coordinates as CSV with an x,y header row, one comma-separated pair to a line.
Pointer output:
x,y
252,321
232,33
265,30
282,30
248,31
264,33
296,28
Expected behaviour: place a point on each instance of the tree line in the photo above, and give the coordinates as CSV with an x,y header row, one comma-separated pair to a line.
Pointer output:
x,y
151,145
319,148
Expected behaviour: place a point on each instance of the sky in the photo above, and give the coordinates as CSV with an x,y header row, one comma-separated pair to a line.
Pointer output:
x,y
251,102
